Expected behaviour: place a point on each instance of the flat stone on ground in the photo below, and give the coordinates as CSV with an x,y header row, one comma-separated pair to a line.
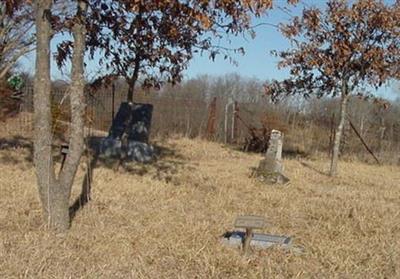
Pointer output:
x,y
259,240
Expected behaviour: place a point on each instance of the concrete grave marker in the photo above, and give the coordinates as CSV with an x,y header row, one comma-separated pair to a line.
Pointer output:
x,y
249,223
257,240
270,168
274,151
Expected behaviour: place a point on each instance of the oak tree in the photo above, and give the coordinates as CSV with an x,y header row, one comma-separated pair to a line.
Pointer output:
x,y
55,190
165,22
153,41
148,41
340,51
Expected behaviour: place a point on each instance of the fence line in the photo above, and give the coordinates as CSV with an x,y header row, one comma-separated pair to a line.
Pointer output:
x,y
171,115
190,117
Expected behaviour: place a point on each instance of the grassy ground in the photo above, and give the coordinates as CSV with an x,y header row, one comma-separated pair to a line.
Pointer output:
x,y
165,220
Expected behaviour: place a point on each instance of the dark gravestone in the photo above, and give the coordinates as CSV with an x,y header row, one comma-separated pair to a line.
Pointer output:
x,y
139,127
129,134
139,152
121,121
111,147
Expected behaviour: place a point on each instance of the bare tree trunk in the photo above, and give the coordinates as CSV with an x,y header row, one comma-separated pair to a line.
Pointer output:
x,y
294,120
287,118
7,67
188,126
55,193
235,114
339,131
226,138
132,81
382,130
362,125
43,160
211,118
17,38
392,140
77,106
131,90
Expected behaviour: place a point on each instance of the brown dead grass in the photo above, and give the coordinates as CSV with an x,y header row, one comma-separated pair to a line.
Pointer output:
x,y
165,220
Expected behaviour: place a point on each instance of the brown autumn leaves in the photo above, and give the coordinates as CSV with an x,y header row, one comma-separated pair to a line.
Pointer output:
x,y
357,41
357,44
346,46
135,38
153,41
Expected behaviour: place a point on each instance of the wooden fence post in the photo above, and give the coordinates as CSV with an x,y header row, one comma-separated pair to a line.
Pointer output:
x,y
226,123
235,115
332,134
212,116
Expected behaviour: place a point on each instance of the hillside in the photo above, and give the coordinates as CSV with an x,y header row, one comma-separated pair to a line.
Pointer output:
x,y
165,220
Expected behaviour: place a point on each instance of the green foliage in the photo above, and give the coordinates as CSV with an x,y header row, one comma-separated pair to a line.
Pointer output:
x,y
15,82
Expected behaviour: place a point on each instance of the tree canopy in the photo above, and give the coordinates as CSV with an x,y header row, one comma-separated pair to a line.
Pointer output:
x,y
353,44
340,51
154,40
158,36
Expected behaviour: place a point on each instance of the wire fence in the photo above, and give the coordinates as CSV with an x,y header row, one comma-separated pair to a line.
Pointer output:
x,y
218,119
171,115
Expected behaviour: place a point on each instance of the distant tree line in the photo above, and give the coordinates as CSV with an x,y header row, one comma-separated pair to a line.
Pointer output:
x,y
309,125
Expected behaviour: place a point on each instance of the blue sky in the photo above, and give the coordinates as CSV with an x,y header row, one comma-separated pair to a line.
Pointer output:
x,y
257,61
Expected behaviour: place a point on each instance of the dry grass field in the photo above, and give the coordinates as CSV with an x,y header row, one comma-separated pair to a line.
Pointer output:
x,y
165,220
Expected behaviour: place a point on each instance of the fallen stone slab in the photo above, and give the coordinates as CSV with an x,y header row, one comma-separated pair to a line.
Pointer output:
x,y
259,240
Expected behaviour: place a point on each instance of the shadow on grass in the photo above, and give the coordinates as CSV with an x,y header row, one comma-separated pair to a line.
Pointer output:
x,y
167,164
25,144
86,188
16,142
